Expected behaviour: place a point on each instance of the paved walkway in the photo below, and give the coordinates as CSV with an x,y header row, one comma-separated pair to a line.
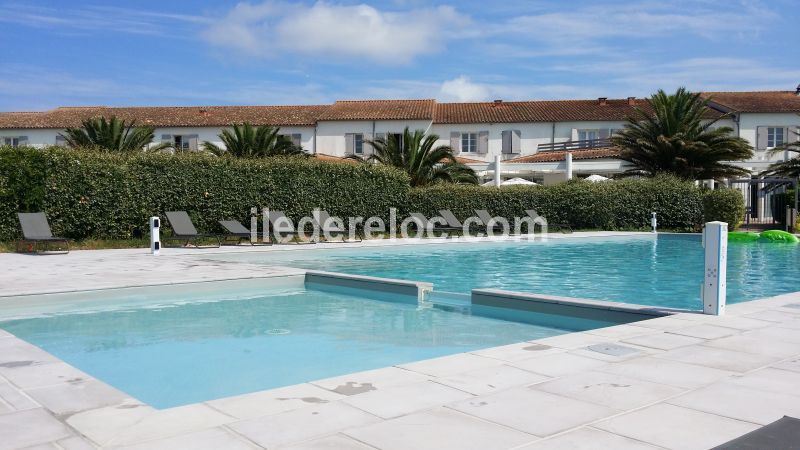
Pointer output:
x,y
685,381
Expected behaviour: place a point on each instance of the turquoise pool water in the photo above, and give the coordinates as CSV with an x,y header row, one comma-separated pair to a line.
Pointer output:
x,y
174,350
664,271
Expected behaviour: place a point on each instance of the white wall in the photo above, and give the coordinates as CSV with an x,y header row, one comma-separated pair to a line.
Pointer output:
x,y
748,122
36,137
330,134
531,135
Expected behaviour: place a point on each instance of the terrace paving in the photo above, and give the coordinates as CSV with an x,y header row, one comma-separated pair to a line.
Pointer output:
x,y
688,381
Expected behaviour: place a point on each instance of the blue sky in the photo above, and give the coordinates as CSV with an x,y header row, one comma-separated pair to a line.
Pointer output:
x,y
182,52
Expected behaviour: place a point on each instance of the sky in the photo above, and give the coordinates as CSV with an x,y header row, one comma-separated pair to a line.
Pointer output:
x,y
181,52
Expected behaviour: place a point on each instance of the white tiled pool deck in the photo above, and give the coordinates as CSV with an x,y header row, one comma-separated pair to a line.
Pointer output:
x,y
688,381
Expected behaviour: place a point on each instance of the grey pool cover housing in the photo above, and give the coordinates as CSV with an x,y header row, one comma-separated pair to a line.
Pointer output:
x,y
783,434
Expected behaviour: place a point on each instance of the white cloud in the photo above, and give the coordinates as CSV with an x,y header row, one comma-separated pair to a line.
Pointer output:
x,y
332,31
461,89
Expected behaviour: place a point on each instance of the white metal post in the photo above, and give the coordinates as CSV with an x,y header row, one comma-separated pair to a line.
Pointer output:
x,y
568,163
654,222
714,290
155,235
497,169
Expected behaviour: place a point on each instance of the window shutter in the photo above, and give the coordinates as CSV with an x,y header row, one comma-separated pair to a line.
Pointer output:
x,y
192,138
506,139
792,134
761,138
483,142
296,138
23,141
455,141
516,141
366,147
349,143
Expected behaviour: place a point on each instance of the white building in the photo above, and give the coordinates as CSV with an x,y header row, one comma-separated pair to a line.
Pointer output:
x,y
533,137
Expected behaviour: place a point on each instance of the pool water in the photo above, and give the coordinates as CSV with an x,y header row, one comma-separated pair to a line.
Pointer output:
x,y
175,351
665,271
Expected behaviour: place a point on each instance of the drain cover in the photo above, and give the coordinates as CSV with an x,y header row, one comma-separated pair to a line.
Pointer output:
x,y
276,331
612,349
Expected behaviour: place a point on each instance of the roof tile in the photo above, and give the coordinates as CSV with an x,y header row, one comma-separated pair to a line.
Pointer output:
x,y
380,110
757,101
594,153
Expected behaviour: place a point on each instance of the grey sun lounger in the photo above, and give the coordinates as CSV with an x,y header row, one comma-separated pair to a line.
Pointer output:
x,y
282,226
183,229
562,227
427,224
489,221
235,233
328,225
453,222
36,231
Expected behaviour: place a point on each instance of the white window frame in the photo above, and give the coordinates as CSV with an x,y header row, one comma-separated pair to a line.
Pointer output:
x,y
469,142
13,141
587,132
358,143
776,136
184,142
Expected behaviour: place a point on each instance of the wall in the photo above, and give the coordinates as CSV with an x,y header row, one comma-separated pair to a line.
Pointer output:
x,y
331,134
748,122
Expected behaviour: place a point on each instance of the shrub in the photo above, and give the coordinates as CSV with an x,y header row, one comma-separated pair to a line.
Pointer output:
x,y
111,196
618,205
725,205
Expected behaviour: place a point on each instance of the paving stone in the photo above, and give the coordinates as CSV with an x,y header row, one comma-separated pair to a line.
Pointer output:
x,y
664,323
13,399
101,425
14,351
518,351
45,374
491,379
533,411
622,331
439,429
718,358
274,401
75,443
449,365
337,442
611,390
675,427
5,334
30,427
769,379
404,399
705,331
588,439
571,341
170,422
211,439
558,364
663,341
741,323
740,402
773,316
69,398
668,372
792,364
302,424
359,382
759,345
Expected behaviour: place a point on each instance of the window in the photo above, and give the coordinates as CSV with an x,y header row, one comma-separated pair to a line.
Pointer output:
x,y
294,138
358,144
588,135
14,141
184,142
469,142
775,137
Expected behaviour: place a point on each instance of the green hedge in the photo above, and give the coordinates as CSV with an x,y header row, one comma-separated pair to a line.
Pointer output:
x,y
619,205
92,195
107,196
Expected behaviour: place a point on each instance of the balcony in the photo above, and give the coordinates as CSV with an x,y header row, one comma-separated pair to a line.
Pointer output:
x,y
574,145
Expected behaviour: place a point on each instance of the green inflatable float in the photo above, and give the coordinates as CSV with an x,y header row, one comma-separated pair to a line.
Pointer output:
x,y
770,236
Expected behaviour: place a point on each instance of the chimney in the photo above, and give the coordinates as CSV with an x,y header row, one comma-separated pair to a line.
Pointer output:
x,y
632,101
497,103
602,101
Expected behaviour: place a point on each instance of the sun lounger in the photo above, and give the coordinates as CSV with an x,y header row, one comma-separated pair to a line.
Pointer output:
x,y
328,225
562,227
235,233
36,231
282,226
426,224
183,229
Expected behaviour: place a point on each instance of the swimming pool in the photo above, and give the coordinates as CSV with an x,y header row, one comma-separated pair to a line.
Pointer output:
x,y
664,271
175,345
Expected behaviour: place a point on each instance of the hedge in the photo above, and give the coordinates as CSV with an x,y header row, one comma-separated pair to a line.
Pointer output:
x,y
619,205
94,195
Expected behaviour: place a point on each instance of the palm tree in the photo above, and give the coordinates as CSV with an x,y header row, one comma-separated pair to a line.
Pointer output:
x,y
789,168
111,136
416,155
247,141
674,139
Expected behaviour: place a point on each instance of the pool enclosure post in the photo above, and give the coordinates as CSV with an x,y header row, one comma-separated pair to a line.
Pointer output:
x,y
654,222
155,238
714,289
497,169
568,166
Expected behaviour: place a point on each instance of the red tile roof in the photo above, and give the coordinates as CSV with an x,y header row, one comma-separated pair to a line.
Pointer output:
x,y
594,153
168,116
757,102
380,110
